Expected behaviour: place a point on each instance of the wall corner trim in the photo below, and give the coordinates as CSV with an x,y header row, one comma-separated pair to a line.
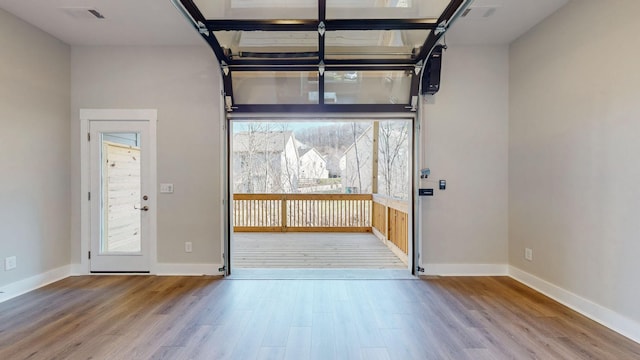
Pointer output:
x,y
598,313
23,286
466,270
176,269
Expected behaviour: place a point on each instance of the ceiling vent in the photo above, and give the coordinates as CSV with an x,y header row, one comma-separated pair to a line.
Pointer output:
x,y
479,12
83,13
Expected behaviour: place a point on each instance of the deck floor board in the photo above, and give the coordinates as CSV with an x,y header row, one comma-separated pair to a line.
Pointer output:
x,y
312,250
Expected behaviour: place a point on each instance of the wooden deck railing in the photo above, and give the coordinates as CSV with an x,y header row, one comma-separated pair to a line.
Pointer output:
x,y
391,221
302,212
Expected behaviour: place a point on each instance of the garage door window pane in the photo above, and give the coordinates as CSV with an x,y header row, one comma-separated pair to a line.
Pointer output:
x,y
275,87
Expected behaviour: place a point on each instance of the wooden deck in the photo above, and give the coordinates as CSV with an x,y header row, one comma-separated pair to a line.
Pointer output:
x,y
312,250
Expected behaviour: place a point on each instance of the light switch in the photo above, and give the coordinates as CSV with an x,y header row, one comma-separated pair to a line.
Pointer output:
x,y
166,188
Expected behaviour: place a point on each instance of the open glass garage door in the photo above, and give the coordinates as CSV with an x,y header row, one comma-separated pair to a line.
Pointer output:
x,y
324,57
329,193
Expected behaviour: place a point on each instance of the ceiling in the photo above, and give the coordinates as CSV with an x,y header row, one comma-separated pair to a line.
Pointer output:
x,y
157,22
506,20
126,22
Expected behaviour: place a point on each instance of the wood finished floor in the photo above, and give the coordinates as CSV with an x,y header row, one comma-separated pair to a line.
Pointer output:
x,y
312,250
148,317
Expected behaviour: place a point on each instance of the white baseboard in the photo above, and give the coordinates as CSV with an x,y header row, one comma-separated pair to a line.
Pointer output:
x,y
20,287
164,269
466,269
78,269
588,308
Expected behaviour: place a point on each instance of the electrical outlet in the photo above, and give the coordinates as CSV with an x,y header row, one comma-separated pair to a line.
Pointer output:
x,y
188,246
528,254
10,263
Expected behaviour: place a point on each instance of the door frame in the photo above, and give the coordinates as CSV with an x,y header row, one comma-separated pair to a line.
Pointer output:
x,y
415,144
86,116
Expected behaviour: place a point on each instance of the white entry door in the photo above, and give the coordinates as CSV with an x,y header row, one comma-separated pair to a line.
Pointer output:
x,y
121,199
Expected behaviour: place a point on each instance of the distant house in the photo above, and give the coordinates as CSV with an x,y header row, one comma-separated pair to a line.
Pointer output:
x,y
274,162
356,164
265,162
312,164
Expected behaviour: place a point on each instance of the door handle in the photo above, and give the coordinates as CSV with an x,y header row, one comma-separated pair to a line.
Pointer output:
x,y
144,208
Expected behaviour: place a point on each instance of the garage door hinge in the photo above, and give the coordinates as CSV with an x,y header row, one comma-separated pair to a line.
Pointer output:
x,y
88,136
202,28
441,28
89,196
322,28
418,67
89,255
414,104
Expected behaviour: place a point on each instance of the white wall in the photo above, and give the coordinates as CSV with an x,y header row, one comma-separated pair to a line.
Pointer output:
x,y
574,147
183,84
34,150
465,135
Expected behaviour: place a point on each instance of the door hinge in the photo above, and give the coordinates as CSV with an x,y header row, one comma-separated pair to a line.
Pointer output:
x,y
88,136
89,255
89,196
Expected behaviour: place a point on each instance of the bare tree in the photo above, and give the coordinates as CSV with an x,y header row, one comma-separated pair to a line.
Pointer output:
x,y
357,162
355,146
393,153
255,168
